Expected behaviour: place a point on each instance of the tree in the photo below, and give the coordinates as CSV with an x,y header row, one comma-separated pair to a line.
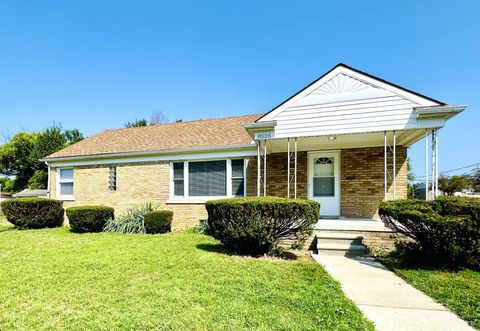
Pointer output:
x,y
38,180
158,117
450,185
411,186
17,159
475,180
20,156
49,141
73,136
136,123
6,184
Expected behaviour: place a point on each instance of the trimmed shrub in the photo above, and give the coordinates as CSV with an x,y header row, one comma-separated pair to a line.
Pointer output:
x,y
158,221
133,221
33,213
446,232
255,226
88,218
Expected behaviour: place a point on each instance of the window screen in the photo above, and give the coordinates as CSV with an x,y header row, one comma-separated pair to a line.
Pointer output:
x,y
178,180
207,178
238,179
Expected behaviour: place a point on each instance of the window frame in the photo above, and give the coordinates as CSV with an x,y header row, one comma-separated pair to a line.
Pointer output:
x,y
61,181
186,198
112,178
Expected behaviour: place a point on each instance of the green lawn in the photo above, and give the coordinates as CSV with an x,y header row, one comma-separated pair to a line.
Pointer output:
x,y
54,279
459,291
4,224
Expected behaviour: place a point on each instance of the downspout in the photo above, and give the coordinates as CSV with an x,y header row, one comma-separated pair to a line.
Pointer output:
x,y
48,180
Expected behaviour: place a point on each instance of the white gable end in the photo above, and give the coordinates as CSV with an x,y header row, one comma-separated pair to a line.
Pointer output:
x,y
341,88
345,101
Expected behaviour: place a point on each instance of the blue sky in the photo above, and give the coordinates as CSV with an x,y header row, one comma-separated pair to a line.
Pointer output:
x,y
94,65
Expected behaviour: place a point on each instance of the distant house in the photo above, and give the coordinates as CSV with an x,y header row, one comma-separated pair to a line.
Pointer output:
x,y
27,193
342,141
5,196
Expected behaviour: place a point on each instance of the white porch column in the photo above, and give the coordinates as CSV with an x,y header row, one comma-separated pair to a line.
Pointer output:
x,y
436,162
258,168
385,164
295,181
394,164
426,165
265,168
288,168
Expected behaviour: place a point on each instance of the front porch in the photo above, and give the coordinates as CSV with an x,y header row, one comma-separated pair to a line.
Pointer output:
x,y
349,175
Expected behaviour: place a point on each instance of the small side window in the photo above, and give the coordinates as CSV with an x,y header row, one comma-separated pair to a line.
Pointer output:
x,y
178,180
112,178
238,178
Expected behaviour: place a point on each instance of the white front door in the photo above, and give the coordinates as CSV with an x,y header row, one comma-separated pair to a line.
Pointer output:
x,y
324,181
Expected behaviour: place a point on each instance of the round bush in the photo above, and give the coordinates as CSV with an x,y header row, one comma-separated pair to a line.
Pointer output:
x,y
158,221
33,213
89,218
256,225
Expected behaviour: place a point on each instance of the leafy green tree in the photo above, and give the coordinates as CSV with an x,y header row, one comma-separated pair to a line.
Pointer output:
x,y
6,184
38,180
73,136
136,123
411,186
475,180
20,156
17,158
48,142
450,185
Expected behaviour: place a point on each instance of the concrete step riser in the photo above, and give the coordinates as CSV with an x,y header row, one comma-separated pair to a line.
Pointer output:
x,y
340,241
340,253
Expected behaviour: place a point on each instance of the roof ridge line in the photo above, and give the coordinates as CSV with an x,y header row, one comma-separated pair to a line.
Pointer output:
x,y
198,120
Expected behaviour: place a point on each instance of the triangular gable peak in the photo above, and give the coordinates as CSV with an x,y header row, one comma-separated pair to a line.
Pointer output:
x,y
346,100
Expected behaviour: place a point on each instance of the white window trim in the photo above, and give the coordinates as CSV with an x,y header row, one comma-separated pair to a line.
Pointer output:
x,y
202,199
60,181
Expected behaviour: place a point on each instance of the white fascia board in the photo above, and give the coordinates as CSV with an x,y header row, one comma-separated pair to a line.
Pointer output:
x,y
421,101
445,112
185,155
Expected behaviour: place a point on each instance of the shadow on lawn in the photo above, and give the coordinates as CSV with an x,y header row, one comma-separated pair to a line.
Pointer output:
x,y
220,249
214,248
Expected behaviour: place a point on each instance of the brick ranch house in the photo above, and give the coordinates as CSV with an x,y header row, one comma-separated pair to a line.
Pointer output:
x,y
342,141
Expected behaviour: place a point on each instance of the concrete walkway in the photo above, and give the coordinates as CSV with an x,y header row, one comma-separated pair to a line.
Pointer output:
x,y
386,299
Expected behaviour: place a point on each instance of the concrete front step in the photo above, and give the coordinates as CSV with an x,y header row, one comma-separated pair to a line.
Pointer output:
x,y
339,243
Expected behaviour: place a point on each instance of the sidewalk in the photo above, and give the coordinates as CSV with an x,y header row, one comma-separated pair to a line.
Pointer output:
x,y
386,299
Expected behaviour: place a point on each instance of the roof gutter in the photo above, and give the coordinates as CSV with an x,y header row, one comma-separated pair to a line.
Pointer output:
x,y
147,153
445,112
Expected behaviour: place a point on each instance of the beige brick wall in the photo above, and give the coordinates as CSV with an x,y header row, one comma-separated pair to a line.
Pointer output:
x,y
362,180
136,183
277,175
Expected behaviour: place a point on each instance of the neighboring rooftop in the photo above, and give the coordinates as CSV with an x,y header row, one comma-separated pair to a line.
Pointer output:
x,y
213,133
30,193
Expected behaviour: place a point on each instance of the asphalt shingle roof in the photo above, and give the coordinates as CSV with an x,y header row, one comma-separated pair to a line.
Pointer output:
x,y
213,133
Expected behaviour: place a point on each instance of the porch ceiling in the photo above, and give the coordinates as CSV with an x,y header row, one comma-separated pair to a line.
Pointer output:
x,y
357,140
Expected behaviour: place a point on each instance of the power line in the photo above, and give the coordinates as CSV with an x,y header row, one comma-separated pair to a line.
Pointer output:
x,y
452,170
